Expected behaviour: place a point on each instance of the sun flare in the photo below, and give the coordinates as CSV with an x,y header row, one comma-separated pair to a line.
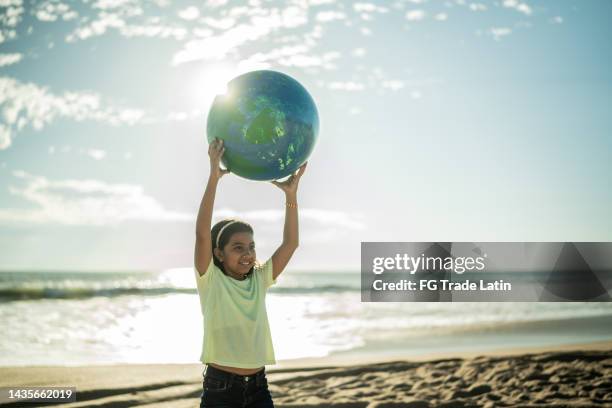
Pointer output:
x,y
212,81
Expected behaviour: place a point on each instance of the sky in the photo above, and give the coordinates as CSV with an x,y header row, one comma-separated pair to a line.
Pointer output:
x,y
440,120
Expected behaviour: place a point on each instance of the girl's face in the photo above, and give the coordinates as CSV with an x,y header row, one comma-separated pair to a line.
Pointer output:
x,y
238,255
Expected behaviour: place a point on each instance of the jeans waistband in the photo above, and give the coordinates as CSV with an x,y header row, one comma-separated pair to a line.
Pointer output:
x,y
221,374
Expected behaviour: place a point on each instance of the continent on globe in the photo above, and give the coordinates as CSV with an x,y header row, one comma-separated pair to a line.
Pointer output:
x,y
269,124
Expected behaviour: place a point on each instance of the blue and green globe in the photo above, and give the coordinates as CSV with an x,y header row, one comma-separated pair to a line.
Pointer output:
x,y
268,122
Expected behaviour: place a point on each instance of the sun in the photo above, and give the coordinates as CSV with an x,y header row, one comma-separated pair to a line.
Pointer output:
x,y
212,80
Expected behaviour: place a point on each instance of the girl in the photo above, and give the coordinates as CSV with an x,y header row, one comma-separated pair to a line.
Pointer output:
x,y
232,287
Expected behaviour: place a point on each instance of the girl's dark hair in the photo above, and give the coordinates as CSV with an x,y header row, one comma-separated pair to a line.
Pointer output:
x,y
236,227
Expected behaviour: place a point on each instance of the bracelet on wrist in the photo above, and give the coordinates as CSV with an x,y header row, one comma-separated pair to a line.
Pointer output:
x,y
291,205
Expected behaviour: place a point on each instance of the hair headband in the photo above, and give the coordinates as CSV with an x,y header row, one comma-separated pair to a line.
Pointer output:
x,y
223,229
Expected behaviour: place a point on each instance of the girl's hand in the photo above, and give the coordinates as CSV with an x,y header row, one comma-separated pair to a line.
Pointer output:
x,y
215,152
290,185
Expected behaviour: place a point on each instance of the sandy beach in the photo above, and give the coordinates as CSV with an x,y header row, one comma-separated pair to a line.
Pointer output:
x,y
575,375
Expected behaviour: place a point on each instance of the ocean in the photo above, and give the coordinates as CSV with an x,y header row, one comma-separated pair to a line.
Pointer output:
x,y
70,318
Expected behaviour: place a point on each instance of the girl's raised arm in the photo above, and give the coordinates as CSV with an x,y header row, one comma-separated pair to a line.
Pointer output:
x,y
291,240
203,245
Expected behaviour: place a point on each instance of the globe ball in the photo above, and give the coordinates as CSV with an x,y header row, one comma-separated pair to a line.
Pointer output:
x,y
268,123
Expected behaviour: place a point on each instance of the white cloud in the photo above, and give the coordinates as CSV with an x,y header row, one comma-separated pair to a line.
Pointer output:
x,y
9,3
5,137
320,2
202,32
415,15
260,25
557,20
128,19
366,10
369,8
518,6
220,23
12,14
499,32
308,60
190,13
218,47
393,84
85,202
216,3
28,103
287,51
10,17
154,30
96,154
326,16
151,27
178,116
292,55
49,11
441,17
312,38
477,7
97,27
346,86
294,17
359,52
9,59
114,4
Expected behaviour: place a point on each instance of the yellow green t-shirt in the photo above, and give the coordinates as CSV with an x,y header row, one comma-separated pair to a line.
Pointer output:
x,y
236,328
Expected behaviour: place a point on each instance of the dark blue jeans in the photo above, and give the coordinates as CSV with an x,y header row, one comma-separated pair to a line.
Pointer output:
x,y
223,389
